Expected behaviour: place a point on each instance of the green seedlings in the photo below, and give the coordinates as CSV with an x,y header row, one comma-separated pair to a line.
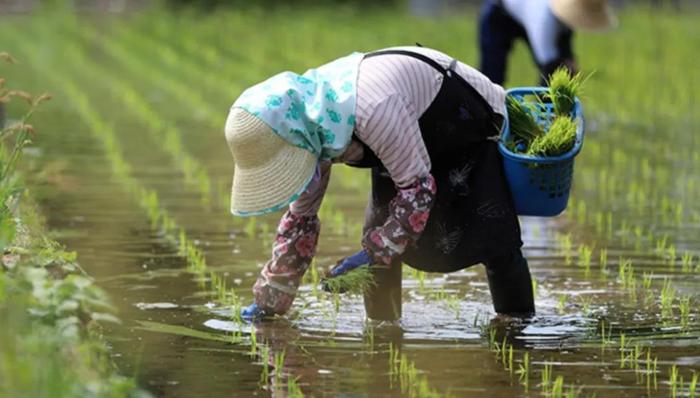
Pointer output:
x,y
561,303
671,254
393,361
557,387
546,378
668,294
586,302
420,277
647,278
523,371
584,257
599,223
651,369
264,357
605,335
251,227
581,212
630,355
661,244
603,260
678,213
561,134
357,281
534,288
293,388
638,236
563,90
475,322
339,222
623,350
454,304
624,231
253,342
626,275
509,366
693,385
315,279
684,309
411,383
687,262
278,364
673,380
505,353
559,140
523,125
369,337
565,245
492,338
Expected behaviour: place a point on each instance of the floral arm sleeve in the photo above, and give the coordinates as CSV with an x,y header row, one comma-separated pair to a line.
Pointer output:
x,y
408,214
293,249
292,252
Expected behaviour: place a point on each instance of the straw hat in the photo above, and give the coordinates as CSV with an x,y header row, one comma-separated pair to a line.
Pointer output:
x,y
584,14
269,172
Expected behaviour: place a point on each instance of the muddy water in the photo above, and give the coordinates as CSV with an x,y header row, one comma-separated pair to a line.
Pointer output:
x,y
179,340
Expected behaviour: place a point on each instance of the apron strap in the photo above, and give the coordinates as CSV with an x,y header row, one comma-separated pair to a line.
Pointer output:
x,y
449,72
412,54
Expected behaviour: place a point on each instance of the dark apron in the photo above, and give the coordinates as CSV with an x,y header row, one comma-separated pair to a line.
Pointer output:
x,y
473,218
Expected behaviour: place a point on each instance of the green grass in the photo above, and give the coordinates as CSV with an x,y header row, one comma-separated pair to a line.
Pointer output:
x,y
50,308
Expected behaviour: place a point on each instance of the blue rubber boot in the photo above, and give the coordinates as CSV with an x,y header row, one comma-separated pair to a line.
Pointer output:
x,y
253,313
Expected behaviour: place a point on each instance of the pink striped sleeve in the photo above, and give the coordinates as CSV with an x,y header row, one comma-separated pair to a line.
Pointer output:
x,y
393,134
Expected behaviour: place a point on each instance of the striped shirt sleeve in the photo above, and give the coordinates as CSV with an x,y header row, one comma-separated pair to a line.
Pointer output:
x,y
392,132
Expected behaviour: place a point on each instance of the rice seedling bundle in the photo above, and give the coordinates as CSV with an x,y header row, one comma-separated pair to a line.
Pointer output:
x,y
523,125
560,138
528,136
357,281
563,90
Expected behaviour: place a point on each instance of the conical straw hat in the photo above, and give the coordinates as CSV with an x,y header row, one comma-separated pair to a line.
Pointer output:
x,y
269,172
584,14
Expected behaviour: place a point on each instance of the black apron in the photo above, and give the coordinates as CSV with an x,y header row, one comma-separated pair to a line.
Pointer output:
x,y
473,218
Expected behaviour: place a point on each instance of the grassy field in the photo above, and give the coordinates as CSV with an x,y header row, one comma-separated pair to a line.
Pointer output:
x,y
140,103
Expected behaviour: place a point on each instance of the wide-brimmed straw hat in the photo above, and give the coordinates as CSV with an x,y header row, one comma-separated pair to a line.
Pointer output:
x,y
584,14
269,172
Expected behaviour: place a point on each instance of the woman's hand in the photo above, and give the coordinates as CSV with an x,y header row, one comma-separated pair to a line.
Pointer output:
x,y
350,263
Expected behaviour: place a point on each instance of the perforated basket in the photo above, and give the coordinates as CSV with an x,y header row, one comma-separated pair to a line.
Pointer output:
x,y
540,186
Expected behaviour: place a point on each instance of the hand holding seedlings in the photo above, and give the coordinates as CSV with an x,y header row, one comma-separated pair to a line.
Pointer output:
x,y
350,275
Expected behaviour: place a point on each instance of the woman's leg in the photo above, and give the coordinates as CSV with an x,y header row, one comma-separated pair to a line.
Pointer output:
x,y
497,31
510,284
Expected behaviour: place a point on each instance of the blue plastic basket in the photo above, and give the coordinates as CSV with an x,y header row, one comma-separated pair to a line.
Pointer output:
x,y
540,185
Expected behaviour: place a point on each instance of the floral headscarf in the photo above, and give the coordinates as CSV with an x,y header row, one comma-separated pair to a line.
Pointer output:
x,y
314,111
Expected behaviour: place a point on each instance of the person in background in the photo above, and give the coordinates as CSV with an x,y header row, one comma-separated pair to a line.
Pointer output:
x,y
546,26
426,125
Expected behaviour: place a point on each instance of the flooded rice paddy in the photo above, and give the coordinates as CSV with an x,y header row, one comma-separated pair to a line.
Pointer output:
x,y
132,172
